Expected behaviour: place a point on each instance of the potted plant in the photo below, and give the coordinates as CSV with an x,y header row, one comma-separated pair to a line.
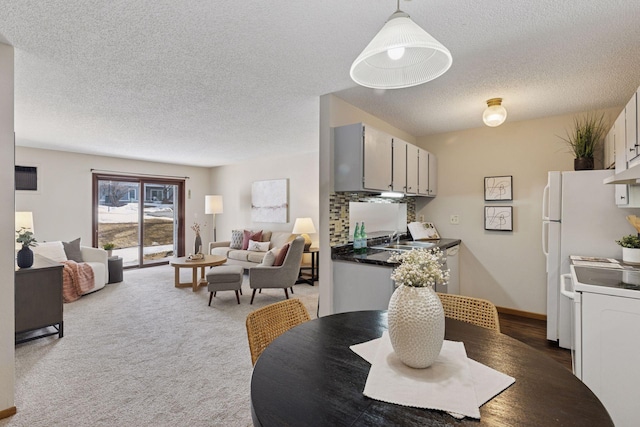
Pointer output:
x,y
25,255
584,139
415,309
109,248
630,248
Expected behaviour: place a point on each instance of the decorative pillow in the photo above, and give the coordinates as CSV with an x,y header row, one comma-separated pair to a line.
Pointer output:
x,y
51,250
236,239
250,235
270,257
258,246
281,256
72,250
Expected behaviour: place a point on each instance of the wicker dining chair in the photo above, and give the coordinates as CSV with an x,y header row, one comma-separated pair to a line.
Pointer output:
x,y
478,311
268,323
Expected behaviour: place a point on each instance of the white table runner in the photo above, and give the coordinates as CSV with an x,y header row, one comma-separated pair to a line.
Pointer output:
x,y
454,383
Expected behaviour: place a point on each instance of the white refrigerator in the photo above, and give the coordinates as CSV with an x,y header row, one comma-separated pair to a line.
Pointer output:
x,y
579,217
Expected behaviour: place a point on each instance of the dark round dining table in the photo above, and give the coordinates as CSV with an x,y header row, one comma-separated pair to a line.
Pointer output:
x,y
310,377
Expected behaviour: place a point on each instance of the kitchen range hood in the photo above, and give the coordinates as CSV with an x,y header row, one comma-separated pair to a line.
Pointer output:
x,y
629,176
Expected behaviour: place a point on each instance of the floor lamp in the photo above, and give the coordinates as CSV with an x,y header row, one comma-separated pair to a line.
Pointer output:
x,y
213,205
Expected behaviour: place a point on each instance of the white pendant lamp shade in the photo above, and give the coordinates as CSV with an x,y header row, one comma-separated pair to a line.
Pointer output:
x,y
401,55
495,114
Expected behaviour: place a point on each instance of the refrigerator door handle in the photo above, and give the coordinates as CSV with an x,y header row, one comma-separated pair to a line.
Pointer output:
x,y
545,238
563,286
545,203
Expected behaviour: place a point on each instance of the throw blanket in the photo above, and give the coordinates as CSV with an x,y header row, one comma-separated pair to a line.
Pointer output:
x,y
77,279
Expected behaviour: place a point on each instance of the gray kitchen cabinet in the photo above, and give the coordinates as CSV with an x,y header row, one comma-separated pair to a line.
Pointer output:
x,y
413,165
399,169
433,175
405,167
359,286
423,172
620,141
427,173
362,159
367,159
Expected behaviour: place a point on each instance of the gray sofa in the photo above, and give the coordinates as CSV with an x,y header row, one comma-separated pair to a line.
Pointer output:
x,y
248,259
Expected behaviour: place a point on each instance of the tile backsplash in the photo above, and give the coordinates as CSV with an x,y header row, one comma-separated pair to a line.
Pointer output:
x,y
339,212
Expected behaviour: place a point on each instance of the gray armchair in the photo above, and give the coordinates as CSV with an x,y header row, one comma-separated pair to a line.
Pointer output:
x,y
283,276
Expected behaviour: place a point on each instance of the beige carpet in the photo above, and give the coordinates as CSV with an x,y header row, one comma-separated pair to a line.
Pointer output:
x,y
141,353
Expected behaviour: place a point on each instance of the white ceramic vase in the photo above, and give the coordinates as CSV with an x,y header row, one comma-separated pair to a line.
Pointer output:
x,y
416,325
631,255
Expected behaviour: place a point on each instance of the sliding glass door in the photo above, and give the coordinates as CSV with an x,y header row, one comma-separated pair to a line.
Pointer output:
x,y
142,217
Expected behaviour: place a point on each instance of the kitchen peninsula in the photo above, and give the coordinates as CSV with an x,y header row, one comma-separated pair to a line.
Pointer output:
x,y
363,281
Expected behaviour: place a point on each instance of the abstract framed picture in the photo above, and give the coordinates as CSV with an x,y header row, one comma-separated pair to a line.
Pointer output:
x,y
270,201
498,188
498,218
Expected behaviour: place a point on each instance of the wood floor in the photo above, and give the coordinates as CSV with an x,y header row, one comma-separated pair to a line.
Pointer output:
x,y
534,333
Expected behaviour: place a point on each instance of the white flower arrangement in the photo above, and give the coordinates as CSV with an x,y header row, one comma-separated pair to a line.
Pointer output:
x,y
419,268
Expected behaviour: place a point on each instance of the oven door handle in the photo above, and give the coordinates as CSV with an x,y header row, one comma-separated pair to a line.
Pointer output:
x,y
563,286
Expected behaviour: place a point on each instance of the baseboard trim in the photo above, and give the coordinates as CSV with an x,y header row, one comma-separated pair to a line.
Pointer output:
x,y
6,413
520,313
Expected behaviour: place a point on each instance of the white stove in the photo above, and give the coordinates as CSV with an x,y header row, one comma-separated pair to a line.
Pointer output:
x,y
606,335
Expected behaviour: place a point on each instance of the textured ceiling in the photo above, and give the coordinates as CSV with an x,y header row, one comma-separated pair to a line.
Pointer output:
x,y
209,83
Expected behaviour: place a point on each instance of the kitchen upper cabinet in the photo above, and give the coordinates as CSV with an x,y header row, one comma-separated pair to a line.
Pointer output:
x,y
631,130
619,142
362,159
366,159
399,169
433,175
426,173
413,163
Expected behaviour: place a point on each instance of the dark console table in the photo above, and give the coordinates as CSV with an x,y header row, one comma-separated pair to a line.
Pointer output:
x,y
38,300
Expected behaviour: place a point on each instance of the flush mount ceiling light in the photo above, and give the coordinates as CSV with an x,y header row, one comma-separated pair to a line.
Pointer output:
x,y
401,55
495,114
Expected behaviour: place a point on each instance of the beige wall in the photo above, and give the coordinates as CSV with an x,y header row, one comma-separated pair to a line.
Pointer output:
x,y
233,182
62,205
7,328
507,268
335,112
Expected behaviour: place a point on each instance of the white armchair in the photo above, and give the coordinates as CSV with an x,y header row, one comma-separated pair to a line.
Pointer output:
x,y
98,260
283,276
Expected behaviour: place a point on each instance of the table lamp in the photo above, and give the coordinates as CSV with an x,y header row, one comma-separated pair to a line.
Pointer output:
x,y
303,226
213,205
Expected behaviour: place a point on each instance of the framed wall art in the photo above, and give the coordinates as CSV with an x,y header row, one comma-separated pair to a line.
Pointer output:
x,y
270,201
498,218
498,188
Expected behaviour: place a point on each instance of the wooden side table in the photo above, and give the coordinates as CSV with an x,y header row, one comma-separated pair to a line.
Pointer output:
x,y
307,278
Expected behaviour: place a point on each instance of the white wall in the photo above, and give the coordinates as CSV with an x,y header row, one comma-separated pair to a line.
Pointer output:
x,y
7,254
62,205
233,182
335,112
507,268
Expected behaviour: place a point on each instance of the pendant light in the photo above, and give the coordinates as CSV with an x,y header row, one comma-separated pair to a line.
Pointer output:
x,y
495,114
401,55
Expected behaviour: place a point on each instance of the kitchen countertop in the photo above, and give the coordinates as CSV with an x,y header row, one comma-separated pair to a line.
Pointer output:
x,y
379,256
